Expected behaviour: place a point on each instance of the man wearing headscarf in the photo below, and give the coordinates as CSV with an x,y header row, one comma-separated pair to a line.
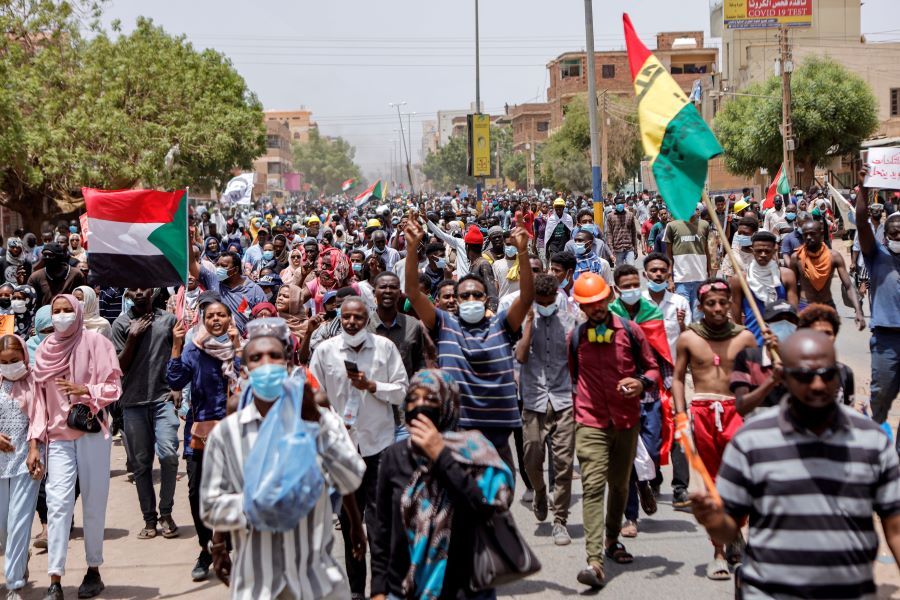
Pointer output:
x,y
56,277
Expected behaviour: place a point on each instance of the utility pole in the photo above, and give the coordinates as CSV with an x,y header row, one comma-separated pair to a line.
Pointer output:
x,y
787,129
403,139
592,112
604,145
479,183
529,173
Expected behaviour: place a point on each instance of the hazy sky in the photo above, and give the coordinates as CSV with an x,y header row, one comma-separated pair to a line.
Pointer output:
x,y
346,60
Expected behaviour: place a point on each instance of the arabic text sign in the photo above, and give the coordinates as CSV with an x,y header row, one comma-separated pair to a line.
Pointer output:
x,y
884,168
760,14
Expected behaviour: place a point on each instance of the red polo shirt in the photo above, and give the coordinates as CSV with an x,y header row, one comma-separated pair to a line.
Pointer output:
x,y
598,401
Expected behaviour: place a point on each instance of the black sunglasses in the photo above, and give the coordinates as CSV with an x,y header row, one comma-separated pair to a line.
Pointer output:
x,y
807,375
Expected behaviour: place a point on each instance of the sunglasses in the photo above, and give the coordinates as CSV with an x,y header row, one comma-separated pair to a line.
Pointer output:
x,y
718,286
471,295
802,375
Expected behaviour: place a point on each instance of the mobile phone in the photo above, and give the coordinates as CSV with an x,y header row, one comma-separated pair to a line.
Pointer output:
x,y
351,367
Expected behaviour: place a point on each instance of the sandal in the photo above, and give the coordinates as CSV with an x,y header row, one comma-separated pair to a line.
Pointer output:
x,y
148,532
168,527
717,570
619,554
592,576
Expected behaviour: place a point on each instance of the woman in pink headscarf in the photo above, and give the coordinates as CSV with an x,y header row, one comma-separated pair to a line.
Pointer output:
x,y
332,273
74,366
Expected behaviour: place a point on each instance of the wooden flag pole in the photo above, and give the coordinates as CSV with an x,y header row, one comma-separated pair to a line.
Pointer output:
x,y
738,269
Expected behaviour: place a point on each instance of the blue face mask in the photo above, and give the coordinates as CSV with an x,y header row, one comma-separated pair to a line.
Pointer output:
x,y
471,311
790,216
782,329
657,287
441,263
221,273
564,284
630,297
127,304
510,251
268,255
546,311
580,248
620,208
357,267
742,241
267,381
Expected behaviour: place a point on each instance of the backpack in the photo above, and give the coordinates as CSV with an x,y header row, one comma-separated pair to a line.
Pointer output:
x,y
282,477
575,339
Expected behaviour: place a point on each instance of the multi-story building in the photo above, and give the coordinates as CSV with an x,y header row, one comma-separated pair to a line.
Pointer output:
x,y
430,139
277,161
530,123
298,121
681,52
445,122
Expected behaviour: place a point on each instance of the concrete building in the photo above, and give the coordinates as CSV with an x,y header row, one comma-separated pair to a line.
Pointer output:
x,y
530,123
681,52
445,122
298,121
430,138
277,161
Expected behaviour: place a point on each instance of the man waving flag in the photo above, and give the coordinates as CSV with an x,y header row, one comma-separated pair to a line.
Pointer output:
x,y
674,135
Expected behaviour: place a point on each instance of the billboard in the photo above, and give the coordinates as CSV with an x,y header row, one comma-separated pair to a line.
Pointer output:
x,y
762,14
479,145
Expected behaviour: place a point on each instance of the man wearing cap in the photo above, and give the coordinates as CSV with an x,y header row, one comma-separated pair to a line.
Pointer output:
x,y
612,365
254,254
313,225
382,250
559,228
495,248
56,277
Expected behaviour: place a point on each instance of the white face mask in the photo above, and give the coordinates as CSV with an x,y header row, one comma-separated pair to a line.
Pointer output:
x,y
19,306
894,246
13,371
62,322
356,339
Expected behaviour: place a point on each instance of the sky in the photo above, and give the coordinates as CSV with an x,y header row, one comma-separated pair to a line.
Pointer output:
x,y
348,60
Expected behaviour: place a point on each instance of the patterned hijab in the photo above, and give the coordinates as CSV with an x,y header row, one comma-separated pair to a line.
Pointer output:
x,y
425,506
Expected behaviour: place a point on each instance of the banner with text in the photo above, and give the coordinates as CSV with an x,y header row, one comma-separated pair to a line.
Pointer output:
x,y
479,145
884,168
762,14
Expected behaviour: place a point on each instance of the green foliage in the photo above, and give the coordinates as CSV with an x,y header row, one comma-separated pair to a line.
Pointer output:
x,y
104,112
446,168
566,158
516,169
326,162
833,111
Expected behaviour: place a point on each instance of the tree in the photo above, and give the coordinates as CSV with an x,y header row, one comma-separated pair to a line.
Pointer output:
x,y
565,156
105,112
325,162
516,169
833,111
447,167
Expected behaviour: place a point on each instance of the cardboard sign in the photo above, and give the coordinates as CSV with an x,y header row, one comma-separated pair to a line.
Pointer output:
x,y
884,168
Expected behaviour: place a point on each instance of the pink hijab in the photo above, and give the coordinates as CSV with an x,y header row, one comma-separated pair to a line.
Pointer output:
x,y
81,356
23,389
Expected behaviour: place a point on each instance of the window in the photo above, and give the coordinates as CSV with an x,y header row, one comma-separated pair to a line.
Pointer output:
x,y
895,102
608,71
570,68
274,168
273,141
543,126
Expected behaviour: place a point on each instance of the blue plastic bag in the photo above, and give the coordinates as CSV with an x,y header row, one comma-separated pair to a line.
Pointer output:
x,y
282,478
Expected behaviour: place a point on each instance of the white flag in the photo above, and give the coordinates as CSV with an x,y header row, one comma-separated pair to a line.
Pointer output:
x,y
239,190
846,210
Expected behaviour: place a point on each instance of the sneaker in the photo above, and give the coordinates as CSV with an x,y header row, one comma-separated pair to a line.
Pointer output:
x,y
168,527
91,585
539,506
680,501
200,572
528,496
54,592
648,501
561,535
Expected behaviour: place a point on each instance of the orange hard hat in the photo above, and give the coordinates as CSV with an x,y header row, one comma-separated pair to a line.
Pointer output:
x,y
590,287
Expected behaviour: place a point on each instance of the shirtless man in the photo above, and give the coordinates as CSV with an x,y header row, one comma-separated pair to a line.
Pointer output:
x,y
768,283
814,265
709,347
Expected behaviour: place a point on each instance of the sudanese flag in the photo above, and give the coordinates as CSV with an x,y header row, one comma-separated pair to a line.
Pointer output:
x,y
139,238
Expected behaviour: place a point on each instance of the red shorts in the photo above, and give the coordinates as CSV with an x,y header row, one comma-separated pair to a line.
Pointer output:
x,y
715,420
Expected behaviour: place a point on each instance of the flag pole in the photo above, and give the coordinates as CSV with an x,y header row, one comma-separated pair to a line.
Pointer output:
x,y
738,269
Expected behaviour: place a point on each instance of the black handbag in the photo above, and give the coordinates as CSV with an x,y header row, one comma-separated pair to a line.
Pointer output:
x,y
81,418
501,555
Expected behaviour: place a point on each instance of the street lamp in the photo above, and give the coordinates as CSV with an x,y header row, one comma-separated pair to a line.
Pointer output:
x,y
403,138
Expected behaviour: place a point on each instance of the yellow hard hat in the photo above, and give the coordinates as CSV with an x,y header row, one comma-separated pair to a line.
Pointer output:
x,y
559,202
313,219
740,205
373,223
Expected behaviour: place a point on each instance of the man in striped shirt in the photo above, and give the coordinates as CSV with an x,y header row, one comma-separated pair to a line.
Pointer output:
x,y
296,563
809,474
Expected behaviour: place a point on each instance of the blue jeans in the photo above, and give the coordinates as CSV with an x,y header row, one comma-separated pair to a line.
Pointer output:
x,y
153,429
18,497
625,257
651,431
688,290
885,347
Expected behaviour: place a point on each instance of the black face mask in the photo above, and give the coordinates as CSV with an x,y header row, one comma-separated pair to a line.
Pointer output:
x,y
330,314
813,417
5,302
432,412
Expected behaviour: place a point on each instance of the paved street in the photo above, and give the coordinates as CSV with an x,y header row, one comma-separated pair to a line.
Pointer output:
x,y
671,551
